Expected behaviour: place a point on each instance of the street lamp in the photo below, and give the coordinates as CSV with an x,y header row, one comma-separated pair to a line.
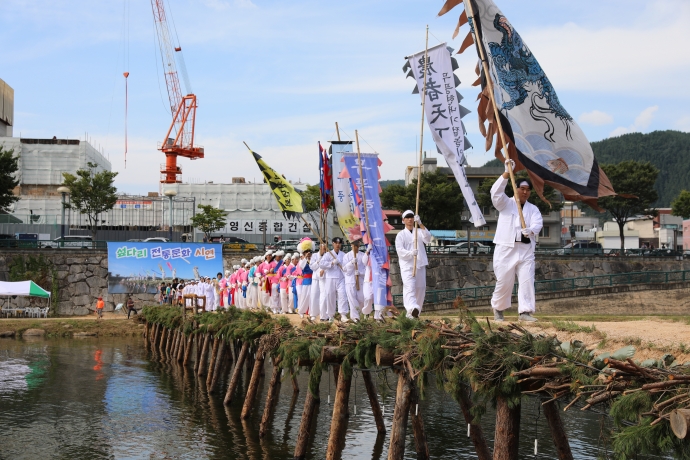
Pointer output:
x,y
64,191
170,194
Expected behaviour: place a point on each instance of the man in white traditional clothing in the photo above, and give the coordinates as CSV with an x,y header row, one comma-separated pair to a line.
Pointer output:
x,y
333,283
354,264
514,250
368,288
316,283
274,281
414,284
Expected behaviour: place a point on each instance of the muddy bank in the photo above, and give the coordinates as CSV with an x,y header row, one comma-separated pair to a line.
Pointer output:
x,y
77,327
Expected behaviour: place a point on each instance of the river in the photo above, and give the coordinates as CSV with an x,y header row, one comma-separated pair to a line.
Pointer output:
x,y
98,398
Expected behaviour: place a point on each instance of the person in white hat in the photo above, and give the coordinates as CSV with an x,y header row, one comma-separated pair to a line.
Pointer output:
x,y
414,284
274,282
316,283
333,283
253,285
293,285
354,264
283,272
264,287
514,250
306,248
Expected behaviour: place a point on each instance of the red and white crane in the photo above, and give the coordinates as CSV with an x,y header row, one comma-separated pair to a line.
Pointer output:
x,y
179,140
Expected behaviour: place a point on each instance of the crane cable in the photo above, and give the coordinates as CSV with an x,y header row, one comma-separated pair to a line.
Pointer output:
x,y
125,59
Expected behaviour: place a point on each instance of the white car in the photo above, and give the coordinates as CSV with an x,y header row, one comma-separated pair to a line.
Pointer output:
x,y
477,248
69,241
156,239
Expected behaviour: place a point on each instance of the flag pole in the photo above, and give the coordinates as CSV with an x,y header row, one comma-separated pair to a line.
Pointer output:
x,y
496,114
421,146
321,174
337,130
361,183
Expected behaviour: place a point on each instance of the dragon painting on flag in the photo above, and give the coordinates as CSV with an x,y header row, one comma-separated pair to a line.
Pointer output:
x,y
540,135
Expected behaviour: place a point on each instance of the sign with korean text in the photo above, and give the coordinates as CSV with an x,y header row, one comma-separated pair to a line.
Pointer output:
x,y
272,226
137,268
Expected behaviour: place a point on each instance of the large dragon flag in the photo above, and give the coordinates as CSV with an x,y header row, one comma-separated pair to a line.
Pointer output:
x,y
366,192
289,200
444,113
343,196
540,134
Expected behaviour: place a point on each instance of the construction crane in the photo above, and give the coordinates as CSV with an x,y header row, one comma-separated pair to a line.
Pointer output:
x,y
179,140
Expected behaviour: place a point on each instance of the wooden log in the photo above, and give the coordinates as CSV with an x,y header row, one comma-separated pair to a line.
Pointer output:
x,y
212,362
680,420
188,350
336,439
235,380
147,340
476,433
220,361
560,439
336,373
310,403
396,449
204,355
600,398
331,355
507,437
384,357
295,385
175,344
168,343
660,385
199,339
538,372
181,347
253,384
271,397
161,342
374,401
420,443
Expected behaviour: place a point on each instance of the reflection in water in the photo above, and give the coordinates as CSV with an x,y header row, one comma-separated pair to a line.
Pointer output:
x,y
103,398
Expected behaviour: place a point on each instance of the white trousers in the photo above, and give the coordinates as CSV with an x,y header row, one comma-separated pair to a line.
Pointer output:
x,y
507,263
355,299
368,293
414,288
275,298
239,298
252,296
332,288
304,299
315,297
264,298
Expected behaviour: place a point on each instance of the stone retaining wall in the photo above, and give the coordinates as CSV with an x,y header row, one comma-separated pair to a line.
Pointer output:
x,y
82,274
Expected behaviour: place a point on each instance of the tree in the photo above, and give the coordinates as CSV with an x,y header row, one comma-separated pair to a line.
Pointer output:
x,y
633,181
209,219
9,165
91,193
681,205
555,203
440,200
311,200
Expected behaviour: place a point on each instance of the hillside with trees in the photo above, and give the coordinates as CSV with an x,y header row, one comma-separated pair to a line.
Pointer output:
x,y
669,151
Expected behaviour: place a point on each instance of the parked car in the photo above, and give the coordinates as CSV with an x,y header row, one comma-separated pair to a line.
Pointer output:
x,y
461,248
8,241
156,239
233,243
70,241
285,245
582,248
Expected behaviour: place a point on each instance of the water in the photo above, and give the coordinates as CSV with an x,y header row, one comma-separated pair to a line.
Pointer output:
x,y
102,398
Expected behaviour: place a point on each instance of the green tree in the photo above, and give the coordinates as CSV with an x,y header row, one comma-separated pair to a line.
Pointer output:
x,y
311,200
91,193
633,181
8,167
681,205
554,198
440,200
209,219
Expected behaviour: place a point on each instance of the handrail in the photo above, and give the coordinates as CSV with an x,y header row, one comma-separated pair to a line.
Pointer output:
x,y
558,285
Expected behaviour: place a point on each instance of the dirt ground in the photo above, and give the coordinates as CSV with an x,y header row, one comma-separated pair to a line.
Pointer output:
x,y
112,325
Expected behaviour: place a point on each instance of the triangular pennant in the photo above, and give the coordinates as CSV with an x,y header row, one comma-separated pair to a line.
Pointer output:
x,y
449,5
466,43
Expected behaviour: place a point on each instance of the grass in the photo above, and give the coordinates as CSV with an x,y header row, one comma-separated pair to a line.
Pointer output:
x,y
68,327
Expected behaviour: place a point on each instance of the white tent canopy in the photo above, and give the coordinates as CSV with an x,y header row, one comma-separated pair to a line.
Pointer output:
x,y
23,288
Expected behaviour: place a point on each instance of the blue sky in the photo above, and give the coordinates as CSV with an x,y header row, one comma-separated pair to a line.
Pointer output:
x,y
278,74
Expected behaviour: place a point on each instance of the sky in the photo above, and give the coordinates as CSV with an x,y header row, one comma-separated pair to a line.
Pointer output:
x,y
278,75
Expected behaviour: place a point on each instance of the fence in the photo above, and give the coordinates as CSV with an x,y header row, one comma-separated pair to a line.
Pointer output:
x,y
559,285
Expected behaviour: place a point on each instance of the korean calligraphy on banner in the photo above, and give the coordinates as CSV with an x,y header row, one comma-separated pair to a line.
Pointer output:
x,y
272,226
343,199
135,268
444,113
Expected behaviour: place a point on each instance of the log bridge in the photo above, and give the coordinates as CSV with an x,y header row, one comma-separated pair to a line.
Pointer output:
x,y
479,364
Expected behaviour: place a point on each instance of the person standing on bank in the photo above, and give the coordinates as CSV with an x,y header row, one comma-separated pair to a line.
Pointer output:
x,y
354,265
514,251
414,285
333,283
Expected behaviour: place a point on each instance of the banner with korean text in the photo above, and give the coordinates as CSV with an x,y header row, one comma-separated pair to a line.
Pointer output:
x,y
343,199
138,268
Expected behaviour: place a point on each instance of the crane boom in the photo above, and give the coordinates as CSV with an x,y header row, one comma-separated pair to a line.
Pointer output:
x,y
179,140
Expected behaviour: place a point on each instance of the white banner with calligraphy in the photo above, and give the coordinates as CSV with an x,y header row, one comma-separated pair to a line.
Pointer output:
x,y
443,113
343,201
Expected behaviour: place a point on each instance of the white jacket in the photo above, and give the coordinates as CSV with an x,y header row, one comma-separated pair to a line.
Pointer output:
x,y
349,266
330,267
314,264
509,228
404,245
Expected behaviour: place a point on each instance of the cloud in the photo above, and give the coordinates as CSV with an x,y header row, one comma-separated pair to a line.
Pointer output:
x,y
683,124
642,122
596,118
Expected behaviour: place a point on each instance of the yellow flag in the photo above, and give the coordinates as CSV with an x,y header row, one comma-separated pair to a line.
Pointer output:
x,y
289,200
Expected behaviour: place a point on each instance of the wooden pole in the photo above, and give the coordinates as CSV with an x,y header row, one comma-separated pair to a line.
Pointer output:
x,y
188,350
271,397
220,361
204,355
147,342
501,134
364,195
476,433
161,345
253,383
421,146
420,443
396,449
336,440
235,380
507,436
310,403
212,362
181,347
373,400
199,340
560,438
